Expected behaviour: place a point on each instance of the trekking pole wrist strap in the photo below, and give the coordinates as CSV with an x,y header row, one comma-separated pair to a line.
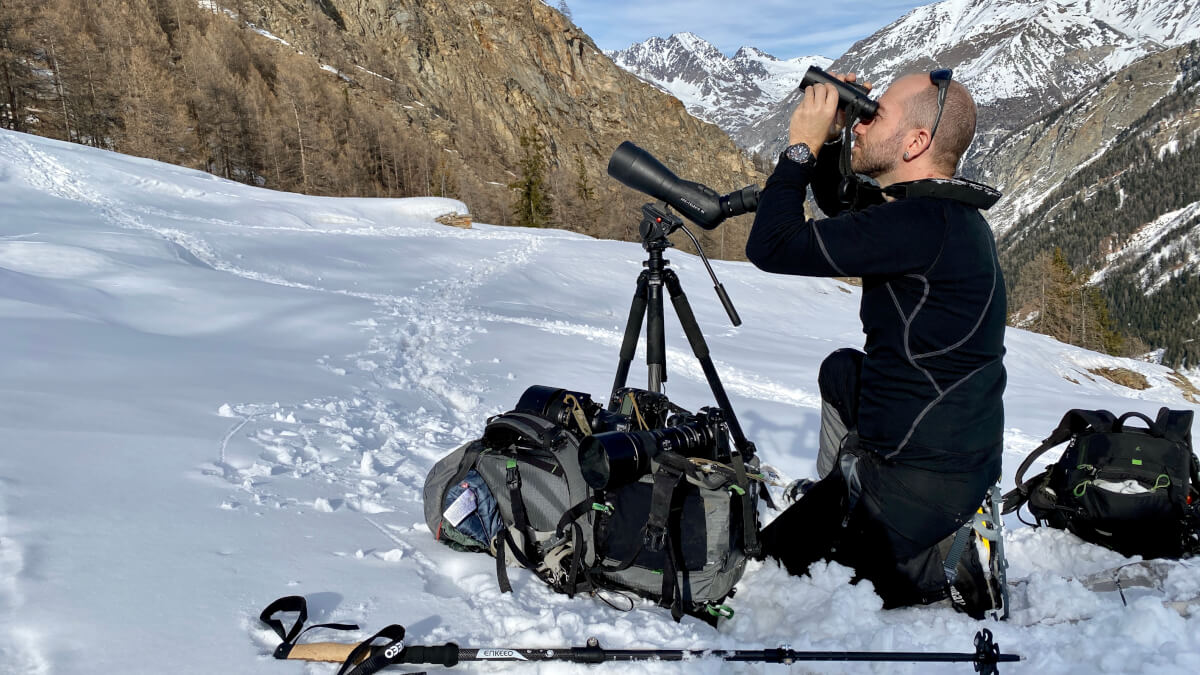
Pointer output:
x,y
296,603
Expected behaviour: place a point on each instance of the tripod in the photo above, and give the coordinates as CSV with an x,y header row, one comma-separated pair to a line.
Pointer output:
x,y
657,223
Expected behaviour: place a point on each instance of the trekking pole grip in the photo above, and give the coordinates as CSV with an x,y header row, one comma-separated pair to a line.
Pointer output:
x,y
330,652
439,655
397,653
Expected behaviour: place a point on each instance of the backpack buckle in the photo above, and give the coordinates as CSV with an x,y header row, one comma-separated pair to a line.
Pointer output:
x,y
654,538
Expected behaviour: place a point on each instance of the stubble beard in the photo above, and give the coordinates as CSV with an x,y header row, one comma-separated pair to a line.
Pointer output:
x,y
875,159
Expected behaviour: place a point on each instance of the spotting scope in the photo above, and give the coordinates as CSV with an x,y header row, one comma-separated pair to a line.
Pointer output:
x,y
638,169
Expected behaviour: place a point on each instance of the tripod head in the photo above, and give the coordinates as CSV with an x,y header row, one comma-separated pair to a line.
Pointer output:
x,y
657,224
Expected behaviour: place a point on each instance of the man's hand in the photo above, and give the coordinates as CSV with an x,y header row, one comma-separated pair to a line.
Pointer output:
x,y
840,122
812,119
817,119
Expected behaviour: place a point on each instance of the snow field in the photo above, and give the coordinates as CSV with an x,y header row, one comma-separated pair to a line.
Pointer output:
x,y
213,395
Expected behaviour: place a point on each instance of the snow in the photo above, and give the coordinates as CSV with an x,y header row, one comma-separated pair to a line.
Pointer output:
x,y
1038,40
330,69
374,73
784,75
267,34
215,395
1182,226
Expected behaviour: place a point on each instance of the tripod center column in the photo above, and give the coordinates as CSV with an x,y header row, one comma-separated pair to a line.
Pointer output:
x,y
656,340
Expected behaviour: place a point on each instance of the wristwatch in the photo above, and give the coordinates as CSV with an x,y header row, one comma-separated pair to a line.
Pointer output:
x,y
800,154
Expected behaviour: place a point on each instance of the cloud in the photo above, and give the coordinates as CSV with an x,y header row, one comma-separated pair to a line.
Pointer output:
x,y
784,28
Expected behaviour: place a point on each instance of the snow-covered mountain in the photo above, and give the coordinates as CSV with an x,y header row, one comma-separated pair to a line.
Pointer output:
x,y
1110,179
1019,58
729,92
1016,49
214,395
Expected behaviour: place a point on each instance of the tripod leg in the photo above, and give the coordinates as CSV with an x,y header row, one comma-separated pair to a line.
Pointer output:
x,y
745,449
633,330
691,328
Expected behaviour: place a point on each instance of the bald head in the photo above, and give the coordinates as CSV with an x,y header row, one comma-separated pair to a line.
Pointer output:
x,y
957,127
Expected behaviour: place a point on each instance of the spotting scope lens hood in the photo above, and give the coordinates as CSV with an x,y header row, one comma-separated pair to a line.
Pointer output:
x,y
638,169
848,93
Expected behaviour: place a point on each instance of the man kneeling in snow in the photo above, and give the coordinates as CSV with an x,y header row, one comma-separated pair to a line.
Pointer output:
x,y
912,428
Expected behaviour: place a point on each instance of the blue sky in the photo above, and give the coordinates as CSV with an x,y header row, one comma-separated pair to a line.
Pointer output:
x,y
784,28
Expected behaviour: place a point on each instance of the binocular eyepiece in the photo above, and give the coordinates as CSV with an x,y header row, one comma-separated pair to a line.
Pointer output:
x,y
638,169
851,97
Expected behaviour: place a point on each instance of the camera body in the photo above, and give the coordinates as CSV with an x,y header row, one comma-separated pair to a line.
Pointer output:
x,y
644,409
628,410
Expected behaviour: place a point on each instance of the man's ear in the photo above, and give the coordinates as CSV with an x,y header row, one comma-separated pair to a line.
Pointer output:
x,y
918,143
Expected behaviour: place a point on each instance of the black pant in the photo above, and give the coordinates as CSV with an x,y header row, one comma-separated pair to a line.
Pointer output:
x,y
839,383
897,515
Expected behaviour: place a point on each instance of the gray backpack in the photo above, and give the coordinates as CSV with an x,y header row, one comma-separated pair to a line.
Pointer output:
x,y
677,535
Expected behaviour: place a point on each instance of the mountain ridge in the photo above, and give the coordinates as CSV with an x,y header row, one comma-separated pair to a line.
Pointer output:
x,y
730,92
1019,59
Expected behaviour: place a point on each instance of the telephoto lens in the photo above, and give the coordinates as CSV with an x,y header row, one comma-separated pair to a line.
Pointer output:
x,y
617,458
558,405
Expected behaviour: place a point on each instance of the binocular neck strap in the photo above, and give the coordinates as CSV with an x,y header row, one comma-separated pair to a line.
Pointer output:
x,y
848,189
844,159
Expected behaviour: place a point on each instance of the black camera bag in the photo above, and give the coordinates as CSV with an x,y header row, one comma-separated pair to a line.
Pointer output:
x,y
675,536
1133,490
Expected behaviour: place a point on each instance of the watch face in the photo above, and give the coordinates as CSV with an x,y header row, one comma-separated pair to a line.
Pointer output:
x,y
798,153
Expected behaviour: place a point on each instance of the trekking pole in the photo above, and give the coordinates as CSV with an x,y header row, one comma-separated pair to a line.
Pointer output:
x,y
367,658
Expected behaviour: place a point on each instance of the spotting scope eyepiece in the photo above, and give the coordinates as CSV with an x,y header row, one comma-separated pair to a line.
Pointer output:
x,y
638,169
849,94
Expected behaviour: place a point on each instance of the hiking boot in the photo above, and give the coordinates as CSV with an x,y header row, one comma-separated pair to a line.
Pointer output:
x,y
973,590
796,489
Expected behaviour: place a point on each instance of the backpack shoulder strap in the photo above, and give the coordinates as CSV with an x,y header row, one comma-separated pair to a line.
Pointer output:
x,y
1176,425
1073,423
505,429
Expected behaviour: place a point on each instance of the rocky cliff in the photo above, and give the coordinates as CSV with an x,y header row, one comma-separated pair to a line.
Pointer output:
x,y
1111,180
358,98
485,71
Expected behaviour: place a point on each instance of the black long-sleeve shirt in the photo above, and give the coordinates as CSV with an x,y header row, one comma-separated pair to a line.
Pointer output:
x,y
933,311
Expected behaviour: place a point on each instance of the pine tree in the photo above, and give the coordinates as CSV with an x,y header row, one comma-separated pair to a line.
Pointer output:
x,y
1065,307
532,205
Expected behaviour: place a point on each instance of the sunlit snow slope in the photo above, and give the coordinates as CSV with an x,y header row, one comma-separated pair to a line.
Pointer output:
x,y
213,395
